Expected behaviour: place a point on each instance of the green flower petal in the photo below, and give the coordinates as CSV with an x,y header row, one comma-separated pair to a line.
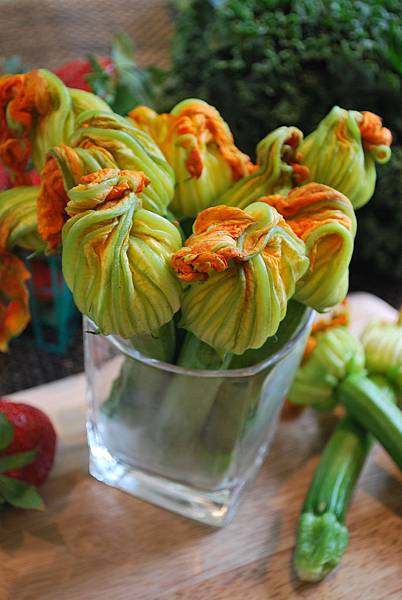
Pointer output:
x,y
116,257
199,146
336,354
258,263
18,219
342,153
382,343
277,169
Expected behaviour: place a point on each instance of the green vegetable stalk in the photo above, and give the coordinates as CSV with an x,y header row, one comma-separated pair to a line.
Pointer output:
x,y
187,402
322,536
384,420
333,372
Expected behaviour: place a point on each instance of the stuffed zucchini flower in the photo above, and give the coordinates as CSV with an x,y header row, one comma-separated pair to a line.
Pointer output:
x,y
382,343
35,114
277,170
343,150
198,144
325,220
116,255
242,267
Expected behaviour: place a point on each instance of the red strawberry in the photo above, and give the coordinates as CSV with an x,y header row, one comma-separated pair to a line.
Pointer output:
x,y
73,74
27,448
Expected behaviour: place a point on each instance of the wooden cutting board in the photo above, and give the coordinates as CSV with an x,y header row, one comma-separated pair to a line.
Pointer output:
x,y
96,543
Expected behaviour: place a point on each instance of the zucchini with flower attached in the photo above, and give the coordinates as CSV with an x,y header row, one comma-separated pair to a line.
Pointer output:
x,y
333,372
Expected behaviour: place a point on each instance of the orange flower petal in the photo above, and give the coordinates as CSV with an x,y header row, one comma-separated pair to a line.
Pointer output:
x,y
298,208
197,124
22,97
213,243
14,309
372,131
197,118
52,202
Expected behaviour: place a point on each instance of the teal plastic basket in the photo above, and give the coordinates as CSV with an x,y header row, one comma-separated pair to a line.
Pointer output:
x,y
54,316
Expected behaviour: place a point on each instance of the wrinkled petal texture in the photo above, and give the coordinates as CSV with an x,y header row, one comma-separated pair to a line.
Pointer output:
x,y
325,220
115,140
278,169
18,219
241,280
198,144
382,343
116,255
337,353
35,114
336,317
52,199
14,309
22,97
343,150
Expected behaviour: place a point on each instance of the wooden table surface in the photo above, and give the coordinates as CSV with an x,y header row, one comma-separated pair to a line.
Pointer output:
x,y
95,542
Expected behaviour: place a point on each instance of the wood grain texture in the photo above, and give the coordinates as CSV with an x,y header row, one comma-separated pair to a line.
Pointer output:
x,y
95,542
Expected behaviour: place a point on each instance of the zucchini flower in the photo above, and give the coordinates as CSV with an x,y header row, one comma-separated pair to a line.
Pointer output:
x,y
63,170
343,150
113,139
14,309
102,141
83,101
18,227
18,219
382,343
325,220
335,354
198,144
35,114
116,255
277,170
333,371
242,267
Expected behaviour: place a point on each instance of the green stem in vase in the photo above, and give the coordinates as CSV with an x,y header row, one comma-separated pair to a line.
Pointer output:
x,y
233,414
187,402
160,345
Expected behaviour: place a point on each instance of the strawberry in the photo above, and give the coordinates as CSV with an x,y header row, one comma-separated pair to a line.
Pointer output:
x,y
74,73
27,448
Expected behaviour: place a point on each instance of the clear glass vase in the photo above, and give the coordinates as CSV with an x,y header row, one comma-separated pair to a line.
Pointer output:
x,y
187,440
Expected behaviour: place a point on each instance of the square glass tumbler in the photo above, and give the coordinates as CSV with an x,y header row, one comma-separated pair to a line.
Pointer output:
x,y
187,440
